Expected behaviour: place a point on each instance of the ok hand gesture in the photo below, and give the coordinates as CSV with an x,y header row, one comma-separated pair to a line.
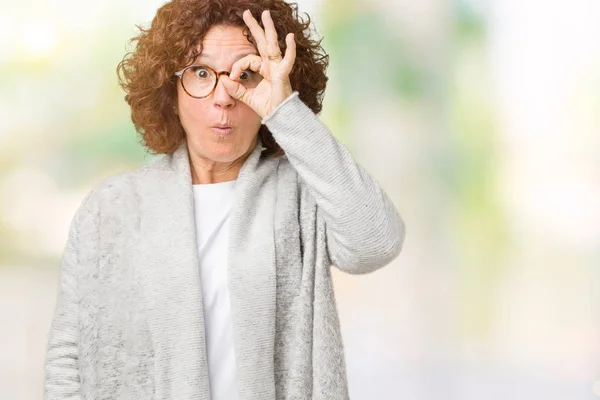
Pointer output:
x,y
274,68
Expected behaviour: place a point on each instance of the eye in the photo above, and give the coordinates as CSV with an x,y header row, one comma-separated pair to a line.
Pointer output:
x,y
247,75
201,73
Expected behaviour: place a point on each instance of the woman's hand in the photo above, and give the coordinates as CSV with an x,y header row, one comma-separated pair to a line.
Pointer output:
x,y
275,68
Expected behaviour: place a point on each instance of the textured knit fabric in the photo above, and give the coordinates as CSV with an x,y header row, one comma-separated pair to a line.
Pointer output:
x,y
212,206
129,322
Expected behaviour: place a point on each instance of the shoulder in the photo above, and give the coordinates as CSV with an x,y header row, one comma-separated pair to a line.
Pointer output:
x,y
117,193
287,173
285,169
291,185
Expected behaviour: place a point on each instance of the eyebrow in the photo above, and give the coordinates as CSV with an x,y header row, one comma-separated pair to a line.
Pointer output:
x,y
237,57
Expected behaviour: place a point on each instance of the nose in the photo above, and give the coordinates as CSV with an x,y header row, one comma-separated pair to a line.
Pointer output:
x,y
221,97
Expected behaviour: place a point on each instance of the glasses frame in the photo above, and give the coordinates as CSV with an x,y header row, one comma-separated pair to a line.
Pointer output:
x,y
218,75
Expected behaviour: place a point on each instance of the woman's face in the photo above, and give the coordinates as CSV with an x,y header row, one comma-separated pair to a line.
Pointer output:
x,y
221,48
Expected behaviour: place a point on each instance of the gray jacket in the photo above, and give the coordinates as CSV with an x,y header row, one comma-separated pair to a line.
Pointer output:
x,y
128,322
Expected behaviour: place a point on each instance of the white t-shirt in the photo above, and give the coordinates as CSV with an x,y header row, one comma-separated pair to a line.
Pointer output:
x,y
212,205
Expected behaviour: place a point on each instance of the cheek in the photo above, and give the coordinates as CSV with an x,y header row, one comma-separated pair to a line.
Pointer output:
x,y
189,109
252,118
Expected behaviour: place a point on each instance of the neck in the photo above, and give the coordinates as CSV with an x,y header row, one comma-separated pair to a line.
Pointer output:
x,y
205,171
214,173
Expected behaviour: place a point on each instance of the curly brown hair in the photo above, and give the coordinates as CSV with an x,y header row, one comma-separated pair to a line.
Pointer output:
x,y
174,40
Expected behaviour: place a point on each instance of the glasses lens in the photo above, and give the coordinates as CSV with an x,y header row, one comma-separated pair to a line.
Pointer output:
x,y
199,81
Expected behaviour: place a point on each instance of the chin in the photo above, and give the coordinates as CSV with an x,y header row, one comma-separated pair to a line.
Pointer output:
x,y
226,153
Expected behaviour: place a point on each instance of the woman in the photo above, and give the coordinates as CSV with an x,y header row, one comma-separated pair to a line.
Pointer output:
x,y
205,273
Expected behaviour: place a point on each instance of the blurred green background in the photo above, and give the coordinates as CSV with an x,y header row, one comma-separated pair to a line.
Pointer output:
x,y
479,118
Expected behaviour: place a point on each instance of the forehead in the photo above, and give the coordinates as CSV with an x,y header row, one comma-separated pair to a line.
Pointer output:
x,y
225,43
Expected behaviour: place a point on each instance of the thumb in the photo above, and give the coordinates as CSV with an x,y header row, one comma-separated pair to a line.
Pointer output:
x,y
235,89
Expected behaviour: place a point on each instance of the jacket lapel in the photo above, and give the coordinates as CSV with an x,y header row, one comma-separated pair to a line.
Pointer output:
x,y
170,277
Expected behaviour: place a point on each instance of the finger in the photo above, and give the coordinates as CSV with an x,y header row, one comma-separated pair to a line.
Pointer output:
x,y
290,54
251,61
270,33
257,32
236,89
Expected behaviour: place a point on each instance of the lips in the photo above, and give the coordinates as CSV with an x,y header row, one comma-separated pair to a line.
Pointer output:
x,y
222,130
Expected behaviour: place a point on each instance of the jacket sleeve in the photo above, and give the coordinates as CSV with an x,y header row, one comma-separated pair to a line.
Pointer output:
x,y
62,356
363,228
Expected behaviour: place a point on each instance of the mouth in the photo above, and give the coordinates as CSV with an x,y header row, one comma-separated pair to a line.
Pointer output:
x,y
222,130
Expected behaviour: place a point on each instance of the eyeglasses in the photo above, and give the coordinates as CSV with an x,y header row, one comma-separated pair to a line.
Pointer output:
x,y
200,81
